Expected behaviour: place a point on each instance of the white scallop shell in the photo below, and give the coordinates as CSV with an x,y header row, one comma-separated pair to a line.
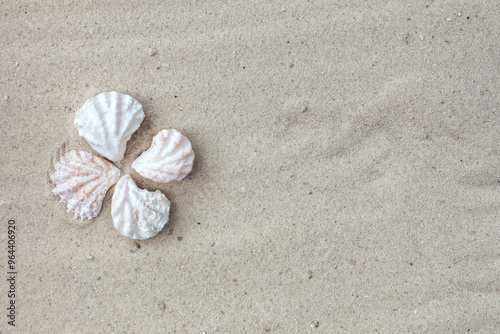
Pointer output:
x,y
138,213
107,122
170,158
82,180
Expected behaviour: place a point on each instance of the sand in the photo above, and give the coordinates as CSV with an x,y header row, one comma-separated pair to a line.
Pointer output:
x,y
347,173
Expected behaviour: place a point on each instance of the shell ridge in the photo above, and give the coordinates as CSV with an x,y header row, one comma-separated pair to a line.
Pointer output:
x,y
169,145
94,187
180,153
169,155
178,141
119,110
95,200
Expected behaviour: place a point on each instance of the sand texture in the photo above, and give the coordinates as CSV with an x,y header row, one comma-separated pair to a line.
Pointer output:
x,y
347,171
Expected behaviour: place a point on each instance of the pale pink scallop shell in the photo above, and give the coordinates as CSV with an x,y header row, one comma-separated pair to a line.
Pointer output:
x,y
82,180
170,158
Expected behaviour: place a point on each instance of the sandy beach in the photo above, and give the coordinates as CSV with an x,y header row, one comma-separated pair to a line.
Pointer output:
x,y
347,171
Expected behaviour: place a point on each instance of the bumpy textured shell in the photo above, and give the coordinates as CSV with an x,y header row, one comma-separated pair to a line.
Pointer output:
x,y
107,122
170,158
138,213
82,181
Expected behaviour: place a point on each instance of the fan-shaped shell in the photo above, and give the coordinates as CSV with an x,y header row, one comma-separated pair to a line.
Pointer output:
x,y
82,181
170,158
107,122
138,213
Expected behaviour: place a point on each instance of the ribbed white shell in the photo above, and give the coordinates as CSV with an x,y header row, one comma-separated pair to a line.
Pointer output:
x,y
138,213
107,122
82,181
170,158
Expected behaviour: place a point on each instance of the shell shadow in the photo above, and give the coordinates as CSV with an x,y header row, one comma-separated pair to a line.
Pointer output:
x,y
139,141
199,159
59,152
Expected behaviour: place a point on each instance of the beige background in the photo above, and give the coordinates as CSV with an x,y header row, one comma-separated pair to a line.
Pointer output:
x,y
375,210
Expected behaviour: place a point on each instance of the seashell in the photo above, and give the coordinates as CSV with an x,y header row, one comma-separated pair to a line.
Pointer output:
x,y
170,158
107,122
82,180
138,213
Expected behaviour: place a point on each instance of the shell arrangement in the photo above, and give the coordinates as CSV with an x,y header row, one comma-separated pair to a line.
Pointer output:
x,y
107,121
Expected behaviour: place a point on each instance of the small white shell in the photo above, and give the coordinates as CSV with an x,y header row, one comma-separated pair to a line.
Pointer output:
x,y
82,181
138,213
107,122
170,158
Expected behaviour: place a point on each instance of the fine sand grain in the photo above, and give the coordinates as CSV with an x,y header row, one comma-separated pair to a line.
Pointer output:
x,y
347,172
